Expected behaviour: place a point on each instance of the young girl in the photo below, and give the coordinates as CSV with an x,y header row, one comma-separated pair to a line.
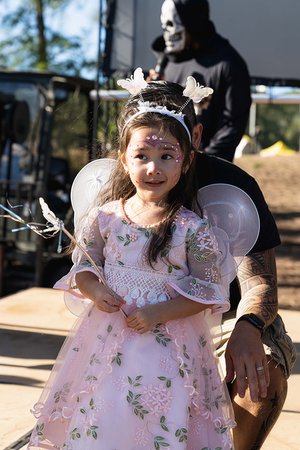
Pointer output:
x,y
138,372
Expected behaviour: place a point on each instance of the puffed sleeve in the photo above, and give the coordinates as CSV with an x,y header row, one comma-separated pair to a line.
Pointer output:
x,y
204,283
90,239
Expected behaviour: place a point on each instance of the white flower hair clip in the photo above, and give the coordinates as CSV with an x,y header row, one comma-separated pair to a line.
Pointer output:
x,y
135,83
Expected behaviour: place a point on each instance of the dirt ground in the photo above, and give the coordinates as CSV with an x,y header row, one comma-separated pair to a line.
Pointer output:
x,y
279,179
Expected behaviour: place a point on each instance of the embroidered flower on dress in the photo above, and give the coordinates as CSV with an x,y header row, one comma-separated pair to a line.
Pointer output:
x,y
202,242
156,399
90,384
61,394
141,437
212,274
121,383
101,405
196,289
196,426
167,365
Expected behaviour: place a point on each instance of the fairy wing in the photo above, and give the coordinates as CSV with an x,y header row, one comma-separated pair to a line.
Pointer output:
x,y
234,217
85,191
88,184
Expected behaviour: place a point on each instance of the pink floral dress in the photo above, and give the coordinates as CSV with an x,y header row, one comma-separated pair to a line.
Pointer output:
x,y
114,389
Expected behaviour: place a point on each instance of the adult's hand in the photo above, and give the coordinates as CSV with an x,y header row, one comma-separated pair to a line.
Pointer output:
x,y
246,361
245,356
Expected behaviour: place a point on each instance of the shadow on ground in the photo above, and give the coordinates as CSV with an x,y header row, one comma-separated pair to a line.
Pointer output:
x,y
27,345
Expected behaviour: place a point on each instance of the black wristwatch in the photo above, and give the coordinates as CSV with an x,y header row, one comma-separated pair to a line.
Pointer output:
x,y
254,320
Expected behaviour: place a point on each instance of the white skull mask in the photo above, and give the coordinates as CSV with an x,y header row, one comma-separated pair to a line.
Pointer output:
x,y
174,31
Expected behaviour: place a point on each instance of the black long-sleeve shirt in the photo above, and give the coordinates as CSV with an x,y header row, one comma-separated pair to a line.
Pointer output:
x,y
225,115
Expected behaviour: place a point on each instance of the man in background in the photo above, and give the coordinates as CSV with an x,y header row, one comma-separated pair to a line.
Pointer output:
x,y
190,45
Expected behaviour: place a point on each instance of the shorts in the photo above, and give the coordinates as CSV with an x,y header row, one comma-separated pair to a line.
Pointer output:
x,y
277,342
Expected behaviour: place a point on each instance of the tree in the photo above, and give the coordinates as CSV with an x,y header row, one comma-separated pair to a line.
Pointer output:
x,y
31,43
278,122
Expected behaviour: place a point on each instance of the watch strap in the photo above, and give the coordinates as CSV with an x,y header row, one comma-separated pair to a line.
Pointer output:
x,y
254,320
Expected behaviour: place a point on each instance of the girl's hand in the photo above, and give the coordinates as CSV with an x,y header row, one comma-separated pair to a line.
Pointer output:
x,y
144,319
106,301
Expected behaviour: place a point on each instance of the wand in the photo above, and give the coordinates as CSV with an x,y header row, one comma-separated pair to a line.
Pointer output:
x,y
56,226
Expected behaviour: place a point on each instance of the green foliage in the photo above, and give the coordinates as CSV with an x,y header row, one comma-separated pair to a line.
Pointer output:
x,y
278,122
31,43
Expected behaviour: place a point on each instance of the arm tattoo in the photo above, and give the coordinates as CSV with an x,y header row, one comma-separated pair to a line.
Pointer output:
x,y
258,282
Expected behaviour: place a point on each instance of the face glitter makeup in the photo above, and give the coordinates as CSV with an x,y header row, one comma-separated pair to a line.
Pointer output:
x,y
154,162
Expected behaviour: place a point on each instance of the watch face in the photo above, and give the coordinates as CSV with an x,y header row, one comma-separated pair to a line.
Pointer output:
x,y
173,30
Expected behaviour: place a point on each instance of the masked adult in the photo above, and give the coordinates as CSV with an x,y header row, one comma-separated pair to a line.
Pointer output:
x,y
190,46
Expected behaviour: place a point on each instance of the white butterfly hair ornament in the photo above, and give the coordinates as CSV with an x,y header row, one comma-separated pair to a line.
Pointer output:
x,y
135,83
195,92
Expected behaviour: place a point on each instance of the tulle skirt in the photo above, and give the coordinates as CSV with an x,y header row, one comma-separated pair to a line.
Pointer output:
x,y
114,389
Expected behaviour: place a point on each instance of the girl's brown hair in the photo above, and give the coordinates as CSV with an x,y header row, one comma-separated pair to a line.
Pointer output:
x,y
167,94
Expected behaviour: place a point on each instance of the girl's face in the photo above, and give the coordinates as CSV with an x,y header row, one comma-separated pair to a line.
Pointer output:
x,y
154,162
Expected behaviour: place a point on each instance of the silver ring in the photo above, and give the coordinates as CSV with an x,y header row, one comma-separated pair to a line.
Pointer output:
x,y
260,368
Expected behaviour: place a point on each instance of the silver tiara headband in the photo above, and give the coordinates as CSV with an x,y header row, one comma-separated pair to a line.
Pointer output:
x,y
145,107
193,91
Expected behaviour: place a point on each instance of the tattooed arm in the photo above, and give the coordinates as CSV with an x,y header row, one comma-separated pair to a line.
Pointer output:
x,y
258,283
245,352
